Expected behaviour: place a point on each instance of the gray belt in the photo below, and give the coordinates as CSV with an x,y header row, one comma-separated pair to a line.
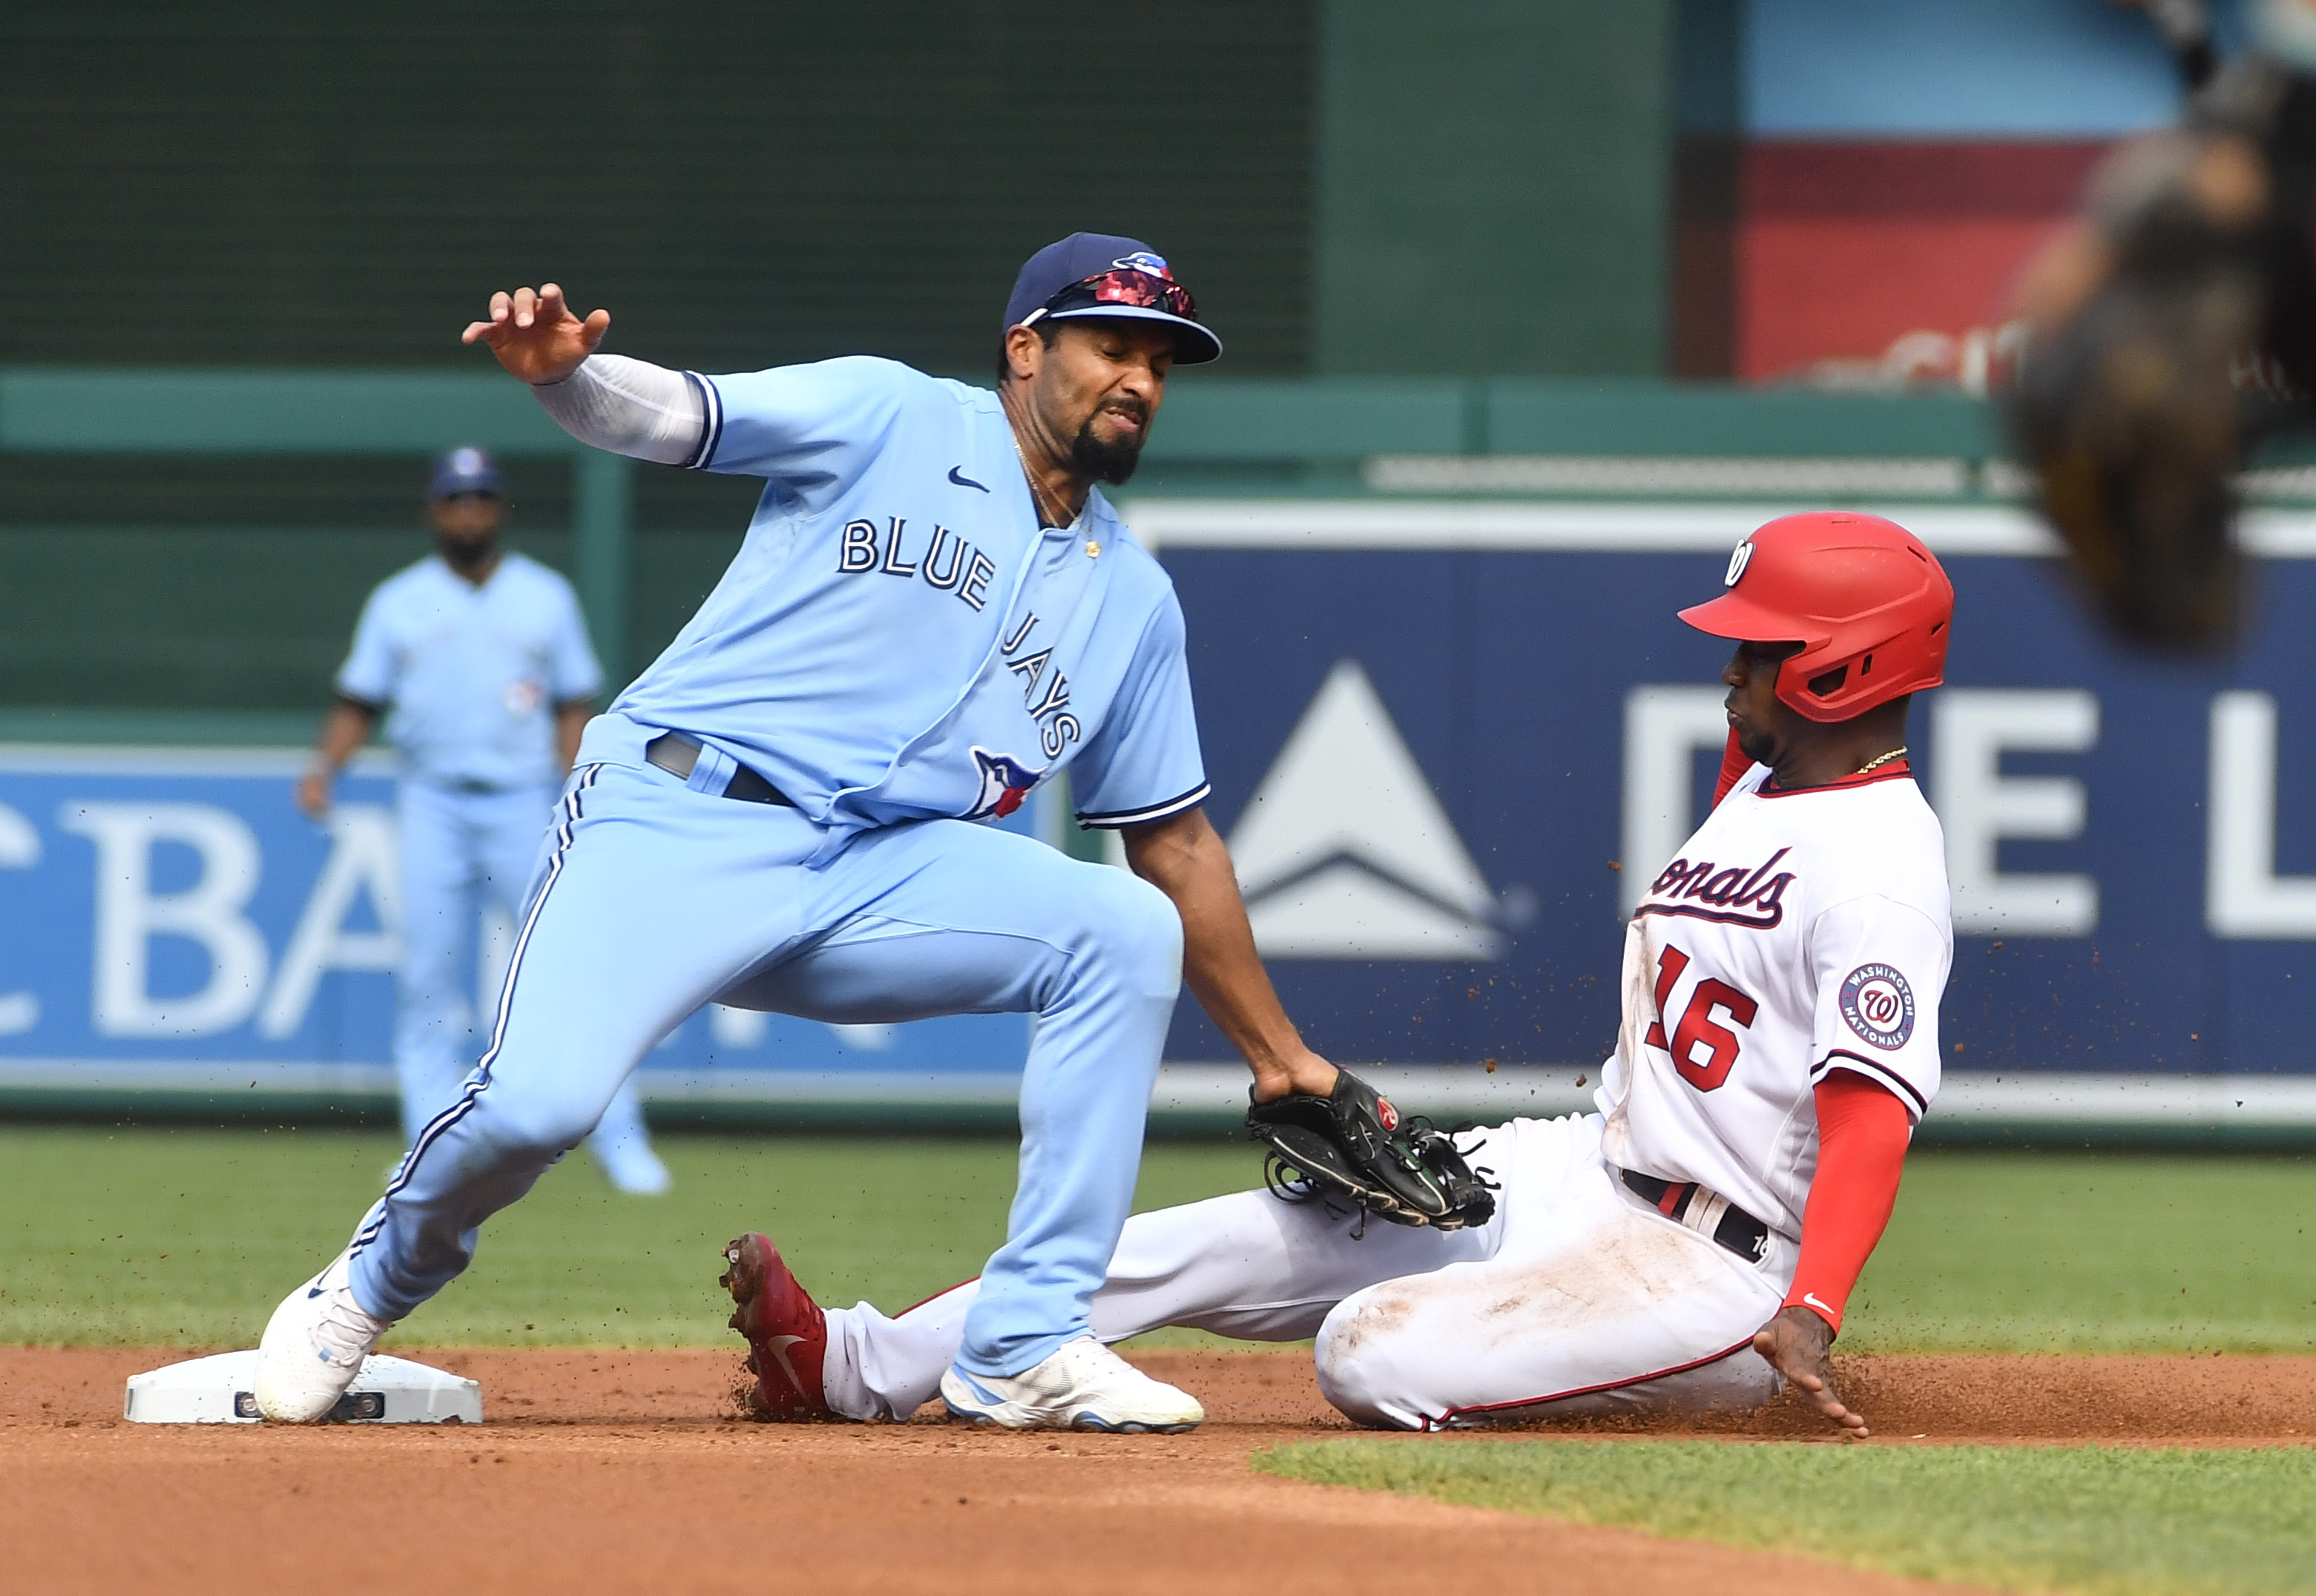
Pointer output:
x,y
677,754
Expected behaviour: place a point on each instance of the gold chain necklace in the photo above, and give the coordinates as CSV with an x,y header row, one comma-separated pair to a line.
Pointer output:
x,y
1875,764
1045,506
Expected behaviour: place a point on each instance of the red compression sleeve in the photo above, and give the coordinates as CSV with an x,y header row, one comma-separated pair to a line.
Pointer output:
x,y
1862,1130
1734,767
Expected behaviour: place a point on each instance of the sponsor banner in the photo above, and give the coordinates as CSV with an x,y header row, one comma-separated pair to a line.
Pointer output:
x,y
1451,742
172,923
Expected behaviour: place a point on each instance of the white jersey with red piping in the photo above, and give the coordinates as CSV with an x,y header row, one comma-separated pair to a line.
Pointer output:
x,y
1799,932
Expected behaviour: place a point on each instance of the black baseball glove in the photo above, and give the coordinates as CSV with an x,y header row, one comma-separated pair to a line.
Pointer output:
x,y
2169,333
2129,410
1354,1146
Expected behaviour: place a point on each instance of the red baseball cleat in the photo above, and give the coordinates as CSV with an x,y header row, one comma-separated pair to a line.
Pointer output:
x,y
788,1335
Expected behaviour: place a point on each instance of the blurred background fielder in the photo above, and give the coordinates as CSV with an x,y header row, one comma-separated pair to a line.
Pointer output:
x,y
481,656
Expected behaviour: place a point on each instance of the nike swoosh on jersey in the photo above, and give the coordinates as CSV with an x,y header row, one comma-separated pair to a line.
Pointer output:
x,y
1810,1298
963,482
779,1346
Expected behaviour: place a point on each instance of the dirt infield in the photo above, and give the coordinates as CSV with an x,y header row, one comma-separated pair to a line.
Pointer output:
x,y
614,1470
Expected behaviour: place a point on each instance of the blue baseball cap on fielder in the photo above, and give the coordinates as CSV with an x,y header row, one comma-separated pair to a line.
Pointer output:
x,y
466,470
1103,274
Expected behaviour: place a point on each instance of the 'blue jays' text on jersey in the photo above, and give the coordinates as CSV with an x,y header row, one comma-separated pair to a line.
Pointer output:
x,y
473,674
898,638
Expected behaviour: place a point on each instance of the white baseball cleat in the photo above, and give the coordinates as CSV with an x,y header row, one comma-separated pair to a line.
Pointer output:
x,y
1083,1386
313,1345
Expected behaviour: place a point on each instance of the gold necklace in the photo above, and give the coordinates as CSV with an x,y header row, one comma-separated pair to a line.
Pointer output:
x,y
1875,764
1045,506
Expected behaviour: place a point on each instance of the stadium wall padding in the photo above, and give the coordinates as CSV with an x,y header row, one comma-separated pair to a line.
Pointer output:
x,y
1475,728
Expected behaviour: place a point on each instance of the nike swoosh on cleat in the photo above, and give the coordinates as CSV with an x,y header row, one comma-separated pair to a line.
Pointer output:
x,y
779,1346
964,482
312,1293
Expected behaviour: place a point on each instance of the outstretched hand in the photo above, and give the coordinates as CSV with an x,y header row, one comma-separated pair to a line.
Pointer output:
x,y
535,334
1799,1344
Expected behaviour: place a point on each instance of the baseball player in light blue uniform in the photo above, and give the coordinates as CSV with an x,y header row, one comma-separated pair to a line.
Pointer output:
x,y
933,612
481,657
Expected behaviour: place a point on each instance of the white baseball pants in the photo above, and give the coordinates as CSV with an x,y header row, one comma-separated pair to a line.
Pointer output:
x,y
1577,1298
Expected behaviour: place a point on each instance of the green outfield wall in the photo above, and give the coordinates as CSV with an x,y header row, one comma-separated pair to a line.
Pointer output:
x,y
1351,186
1492,187
202,539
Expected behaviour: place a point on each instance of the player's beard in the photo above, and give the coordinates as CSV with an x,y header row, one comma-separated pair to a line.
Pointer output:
x,y
467,554
1112,462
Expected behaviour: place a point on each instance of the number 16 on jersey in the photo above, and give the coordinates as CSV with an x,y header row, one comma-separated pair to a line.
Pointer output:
x,y
1704,1050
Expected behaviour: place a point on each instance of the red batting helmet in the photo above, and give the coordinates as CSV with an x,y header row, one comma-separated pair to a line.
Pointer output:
x,y
1868,604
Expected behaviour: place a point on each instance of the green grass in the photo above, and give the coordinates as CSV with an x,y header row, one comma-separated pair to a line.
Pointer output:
x,y
187,1237
2071,1519
182,1236
2035,1252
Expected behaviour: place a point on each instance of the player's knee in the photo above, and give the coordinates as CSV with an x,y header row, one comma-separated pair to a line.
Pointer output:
x,y
1359,1359
525,1126
1135,927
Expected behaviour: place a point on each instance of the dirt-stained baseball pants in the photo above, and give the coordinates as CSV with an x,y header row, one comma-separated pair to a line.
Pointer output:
x,y
1577,1297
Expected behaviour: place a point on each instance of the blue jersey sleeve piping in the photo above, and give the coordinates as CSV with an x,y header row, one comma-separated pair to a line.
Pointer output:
x,y
1142,817
712,429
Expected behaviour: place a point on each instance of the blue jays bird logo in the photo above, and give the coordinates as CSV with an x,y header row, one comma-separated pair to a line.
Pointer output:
x,y
1005,781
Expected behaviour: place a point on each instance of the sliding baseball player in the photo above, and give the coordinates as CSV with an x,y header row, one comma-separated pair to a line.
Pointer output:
x,y
1693,1244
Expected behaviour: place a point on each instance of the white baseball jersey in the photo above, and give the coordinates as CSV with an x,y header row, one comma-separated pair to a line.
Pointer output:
x,y
1799,932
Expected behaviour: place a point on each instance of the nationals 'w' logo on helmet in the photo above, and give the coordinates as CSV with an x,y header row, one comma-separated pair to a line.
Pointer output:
x,y
1867,601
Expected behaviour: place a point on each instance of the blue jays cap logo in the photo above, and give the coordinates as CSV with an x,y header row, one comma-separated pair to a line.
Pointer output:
x,y
1143,261
464,470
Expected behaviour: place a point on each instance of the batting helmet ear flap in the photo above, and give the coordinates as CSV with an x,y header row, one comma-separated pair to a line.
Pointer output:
x,y
1870,606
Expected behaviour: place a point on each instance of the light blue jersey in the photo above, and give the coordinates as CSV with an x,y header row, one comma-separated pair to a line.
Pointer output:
x,y
900,649
897,640
473,674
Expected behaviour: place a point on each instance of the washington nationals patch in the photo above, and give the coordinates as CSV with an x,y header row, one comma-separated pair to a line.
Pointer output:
x,y
1879,1005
